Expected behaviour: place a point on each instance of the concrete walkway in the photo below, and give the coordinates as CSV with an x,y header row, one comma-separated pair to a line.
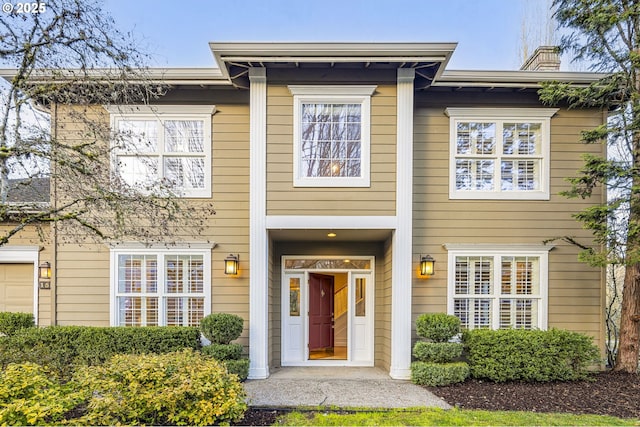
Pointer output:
x,y
337,387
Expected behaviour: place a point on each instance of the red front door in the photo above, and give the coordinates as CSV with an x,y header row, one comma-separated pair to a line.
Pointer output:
x,y
320,311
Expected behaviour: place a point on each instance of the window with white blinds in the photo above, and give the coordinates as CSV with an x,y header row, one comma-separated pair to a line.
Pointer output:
x,y
160,287
499,153
498,290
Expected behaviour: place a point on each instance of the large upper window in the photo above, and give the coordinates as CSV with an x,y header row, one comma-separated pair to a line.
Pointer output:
x,y
160,287
498,288
331,135
168,146
499,153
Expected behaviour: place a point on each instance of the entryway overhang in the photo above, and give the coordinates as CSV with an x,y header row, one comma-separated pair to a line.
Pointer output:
x,y
330,235
427,59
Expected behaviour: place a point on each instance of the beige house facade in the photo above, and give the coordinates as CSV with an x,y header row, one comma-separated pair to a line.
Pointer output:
x,y
335,169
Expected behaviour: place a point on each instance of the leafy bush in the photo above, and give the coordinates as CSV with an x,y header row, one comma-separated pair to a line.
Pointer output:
x,y
238,367
181,388
62,347
223,351
529,355
221,328
437,352
438,374
10,323
437,327
31,395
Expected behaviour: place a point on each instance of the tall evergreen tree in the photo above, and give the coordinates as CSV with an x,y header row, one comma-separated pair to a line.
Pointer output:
x,y
606,33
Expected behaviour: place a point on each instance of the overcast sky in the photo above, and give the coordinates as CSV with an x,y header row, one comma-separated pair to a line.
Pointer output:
x,y
488,32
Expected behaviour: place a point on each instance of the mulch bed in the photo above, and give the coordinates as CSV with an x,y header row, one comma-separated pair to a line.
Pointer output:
x,y
609,393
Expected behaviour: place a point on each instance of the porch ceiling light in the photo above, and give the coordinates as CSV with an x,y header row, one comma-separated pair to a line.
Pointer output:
x,y
44,275
426,265
231,264
331,235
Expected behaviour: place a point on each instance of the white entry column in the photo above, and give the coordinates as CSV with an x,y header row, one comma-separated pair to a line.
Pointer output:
x,y
258,242
402,246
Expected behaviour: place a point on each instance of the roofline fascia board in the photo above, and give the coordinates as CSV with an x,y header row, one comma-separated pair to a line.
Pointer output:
x,y
175,76
399,59
513,78
330,49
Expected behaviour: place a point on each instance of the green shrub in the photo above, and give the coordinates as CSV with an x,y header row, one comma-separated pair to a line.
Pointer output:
x,y
223,351
221,328
437,327
437,352
529,355
181,388
62,347
438,374
31,395
55,347
238,367
10,323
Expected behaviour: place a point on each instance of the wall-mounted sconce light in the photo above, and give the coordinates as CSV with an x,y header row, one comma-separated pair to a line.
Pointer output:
x,y
427,265
44,275
231,264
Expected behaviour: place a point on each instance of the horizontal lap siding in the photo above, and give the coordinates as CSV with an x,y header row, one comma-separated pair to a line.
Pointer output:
x,y
83,270
575,293
284,199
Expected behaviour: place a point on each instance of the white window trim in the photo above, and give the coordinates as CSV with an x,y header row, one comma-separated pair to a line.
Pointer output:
x,y
203,249
540,251
169,112
501,115
333,94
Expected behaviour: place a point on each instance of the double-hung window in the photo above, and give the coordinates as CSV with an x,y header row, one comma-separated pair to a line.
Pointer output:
x,y
499,153
498,288
160,287
331,140
163,147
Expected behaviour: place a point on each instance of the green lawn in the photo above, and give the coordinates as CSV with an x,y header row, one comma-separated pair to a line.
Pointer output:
x,y
453,417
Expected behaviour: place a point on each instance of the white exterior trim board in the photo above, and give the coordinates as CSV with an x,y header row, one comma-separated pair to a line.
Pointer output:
x,y
332,222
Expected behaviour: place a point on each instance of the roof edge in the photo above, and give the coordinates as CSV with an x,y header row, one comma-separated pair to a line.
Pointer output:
x,y
176,76
515,78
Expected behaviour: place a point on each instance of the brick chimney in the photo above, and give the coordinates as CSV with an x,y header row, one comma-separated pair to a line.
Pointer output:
x,y
545,58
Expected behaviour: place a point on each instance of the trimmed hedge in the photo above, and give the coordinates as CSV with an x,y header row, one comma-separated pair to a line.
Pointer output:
x,y
239,367
438,374
10,323
529,355
437,352
223,351
62,347
437,327
221,328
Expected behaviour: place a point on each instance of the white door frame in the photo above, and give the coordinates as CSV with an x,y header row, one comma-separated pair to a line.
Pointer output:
x,y
295,329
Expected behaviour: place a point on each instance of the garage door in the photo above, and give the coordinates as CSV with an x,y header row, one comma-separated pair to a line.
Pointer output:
x,y
16,287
